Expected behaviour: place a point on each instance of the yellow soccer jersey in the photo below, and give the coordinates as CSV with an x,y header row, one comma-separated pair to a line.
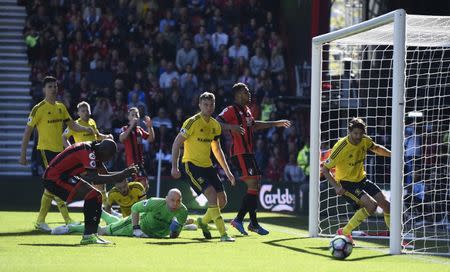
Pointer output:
x,y
199,134
135,194
49,119
348,159
82,136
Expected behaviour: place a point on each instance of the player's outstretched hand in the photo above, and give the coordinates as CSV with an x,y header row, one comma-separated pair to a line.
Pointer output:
x,y
284,123
339,190
148,121
237,128
175,172
139,233
231,178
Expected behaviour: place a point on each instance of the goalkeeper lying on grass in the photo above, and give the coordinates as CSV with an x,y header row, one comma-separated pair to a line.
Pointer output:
x,y
154,217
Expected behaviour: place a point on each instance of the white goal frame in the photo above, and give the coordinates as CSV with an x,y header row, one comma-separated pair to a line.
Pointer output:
x,y
398,17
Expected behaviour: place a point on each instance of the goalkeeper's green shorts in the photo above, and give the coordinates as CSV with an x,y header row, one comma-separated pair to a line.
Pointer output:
x,y
122,227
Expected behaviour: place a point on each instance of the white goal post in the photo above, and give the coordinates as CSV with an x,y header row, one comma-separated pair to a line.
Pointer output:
x,y
393,71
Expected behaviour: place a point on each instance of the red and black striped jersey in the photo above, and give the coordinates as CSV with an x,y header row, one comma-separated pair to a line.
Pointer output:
x,y
239,115
133,145
73,161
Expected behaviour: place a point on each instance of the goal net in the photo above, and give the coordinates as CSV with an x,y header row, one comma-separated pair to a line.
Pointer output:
x,y
357,72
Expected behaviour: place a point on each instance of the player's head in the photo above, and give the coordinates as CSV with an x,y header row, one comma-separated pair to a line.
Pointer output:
x,y
105,150
356,129
173,199
50,87
133,113
84,110
207,103
122,187
241,93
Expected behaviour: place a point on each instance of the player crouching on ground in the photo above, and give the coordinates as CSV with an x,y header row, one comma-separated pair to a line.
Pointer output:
x,y
154,217
71,173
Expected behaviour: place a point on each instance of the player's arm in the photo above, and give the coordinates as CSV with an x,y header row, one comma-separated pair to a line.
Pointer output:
x,y
92,176
177,224
225,126
329,176
218,153
269,124
25,140
179,140
151,132
79,128
380,150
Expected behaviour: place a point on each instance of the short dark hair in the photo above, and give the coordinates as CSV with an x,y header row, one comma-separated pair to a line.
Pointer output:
x,y
207,96
238,87
49,79
357,123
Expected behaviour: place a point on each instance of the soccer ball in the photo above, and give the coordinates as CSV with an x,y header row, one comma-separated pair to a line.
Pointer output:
x,y
340,247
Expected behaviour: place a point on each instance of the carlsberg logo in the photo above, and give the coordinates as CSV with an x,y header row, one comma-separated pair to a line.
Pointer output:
x,y
276,201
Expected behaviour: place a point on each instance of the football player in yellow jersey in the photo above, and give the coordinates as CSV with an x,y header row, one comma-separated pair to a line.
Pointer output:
x,y
125,195
200,134
349,179
84,112
48,117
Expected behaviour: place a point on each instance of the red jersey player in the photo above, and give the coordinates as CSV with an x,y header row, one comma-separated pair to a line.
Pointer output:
x,y
131,137
239,120
70,175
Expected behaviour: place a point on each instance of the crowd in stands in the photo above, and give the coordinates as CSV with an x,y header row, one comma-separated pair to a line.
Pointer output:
x,y
159,56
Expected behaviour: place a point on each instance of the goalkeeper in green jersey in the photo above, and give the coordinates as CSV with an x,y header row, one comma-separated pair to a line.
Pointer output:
x,y
154,217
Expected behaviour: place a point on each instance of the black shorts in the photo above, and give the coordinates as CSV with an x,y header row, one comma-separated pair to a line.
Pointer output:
x,y
68,190
45,157
246,165
201,177
355,190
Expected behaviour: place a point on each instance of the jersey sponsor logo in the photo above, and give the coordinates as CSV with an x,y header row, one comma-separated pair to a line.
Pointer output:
x,y
277,200
204,140
92,156
92,164
54,121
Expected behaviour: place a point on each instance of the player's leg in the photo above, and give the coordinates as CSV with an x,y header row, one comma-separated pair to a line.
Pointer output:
x,y
123,227
375,191
46,199
102,189
222,199
92,210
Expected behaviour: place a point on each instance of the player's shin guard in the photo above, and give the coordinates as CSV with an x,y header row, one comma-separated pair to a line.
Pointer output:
x,y
387,219
62,207
252,203
46,202
92,211
355,221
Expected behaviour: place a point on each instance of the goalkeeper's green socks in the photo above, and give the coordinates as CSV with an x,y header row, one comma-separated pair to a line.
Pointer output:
x,y
387,219
76,228
109,218
355,221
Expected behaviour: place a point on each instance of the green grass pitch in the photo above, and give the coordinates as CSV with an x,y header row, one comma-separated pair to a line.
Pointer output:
x,y
286,248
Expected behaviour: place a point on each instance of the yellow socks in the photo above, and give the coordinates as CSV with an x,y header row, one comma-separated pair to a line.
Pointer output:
x,y
46,202
62,207
213,213
355,221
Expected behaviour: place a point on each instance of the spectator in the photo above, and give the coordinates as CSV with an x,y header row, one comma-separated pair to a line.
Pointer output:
x,y
201,37
103,114
303,159
219,38
258,62
276,61
162,119
238,50
165,80
187,56
292,172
